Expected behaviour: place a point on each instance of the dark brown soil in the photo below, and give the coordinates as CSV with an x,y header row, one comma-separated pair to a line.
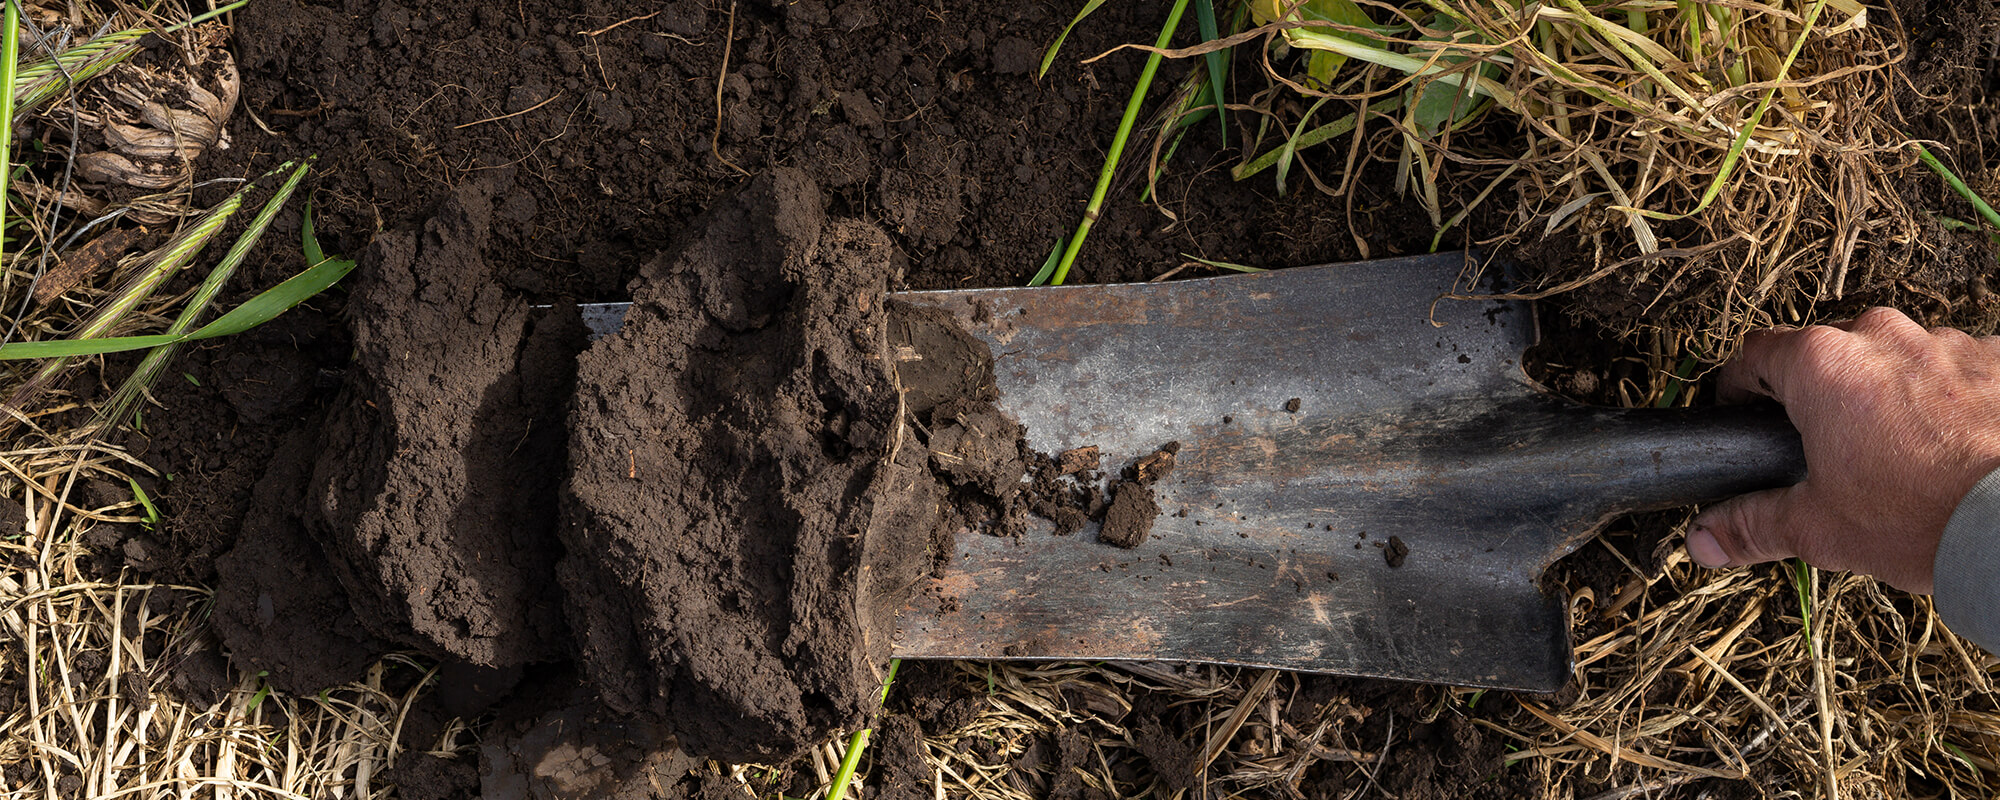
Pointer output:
x,y
1130,518
391,454
736,482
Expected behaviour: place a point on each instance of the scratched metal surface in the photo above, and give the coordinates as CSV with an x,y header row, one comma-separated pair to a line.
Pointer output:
x,y
1415,420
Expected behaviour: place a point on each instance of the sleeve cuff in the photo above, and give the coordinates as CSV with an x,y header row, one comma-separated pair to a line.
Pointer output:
x,y
1965,577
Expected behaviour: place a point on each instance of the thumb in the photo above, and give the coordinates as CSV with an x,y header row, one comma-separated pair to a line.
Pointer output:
x,y
1750,529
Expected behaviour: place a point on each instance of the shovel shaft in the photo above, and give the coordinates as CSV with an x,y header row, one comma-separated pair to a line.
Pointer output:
x,y
1650,459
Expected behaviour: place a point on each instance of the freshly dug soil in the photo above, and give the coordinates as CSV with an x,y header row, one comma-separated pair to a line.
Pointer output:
x,y
436,469
431,497
740,521
277,604
1133,509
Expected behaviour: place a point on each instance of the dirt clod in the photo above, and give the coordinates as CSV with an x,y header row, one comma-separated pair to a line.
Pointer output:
x,y
1130,519
1396,551
1155,466
753,399
435,472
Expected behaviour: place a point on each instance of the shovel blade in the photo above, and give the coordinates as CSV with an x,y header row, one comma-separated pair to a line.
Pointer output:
x,y
1415,428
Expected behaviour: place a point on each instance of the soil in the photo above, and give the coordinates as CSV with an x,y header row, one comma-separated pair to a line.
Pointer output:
x,y
736,481
1396,551
685,511
1129,519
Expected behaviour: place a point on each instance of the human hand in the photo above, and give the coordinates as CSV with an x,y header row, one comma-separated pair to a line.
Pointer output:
x,y
1898,424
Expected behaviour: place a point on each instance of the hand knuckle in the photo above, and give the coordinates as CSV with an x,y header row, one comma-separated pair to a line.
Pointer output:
x,y
1823,350
1881,317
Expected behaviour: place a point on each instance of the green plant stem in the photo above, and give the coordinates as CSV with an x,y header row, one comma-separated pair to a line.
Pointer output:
x,y
10,56
1957,185
837,790
1110,169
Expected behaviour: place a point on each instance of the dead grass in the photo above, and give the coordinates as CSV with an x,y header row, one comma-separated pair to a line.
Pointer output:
x,y
1706,182
87,664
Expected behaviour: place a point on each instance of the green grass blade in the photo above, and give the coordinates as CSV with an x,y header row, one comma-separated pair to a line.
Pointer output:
x,y
226,268
145,501
1124,133
62,348
1339,127
308,241
10,57
1951,179
1049,266
1049,58
277,299
1802,585
1291,144
837,788
1218,62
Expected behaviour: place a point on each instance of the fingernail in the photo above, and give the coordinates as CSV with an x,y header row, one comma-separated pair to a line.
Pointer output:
x,y
1705,550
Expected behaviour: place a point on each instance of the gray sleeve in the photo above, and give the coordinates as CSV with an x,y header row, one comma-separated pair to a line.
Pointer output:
x,y
1966,575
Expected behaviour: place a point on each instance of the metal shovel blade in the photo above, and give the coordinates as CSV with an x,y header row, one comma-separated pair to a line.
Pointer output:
x,y
1415,429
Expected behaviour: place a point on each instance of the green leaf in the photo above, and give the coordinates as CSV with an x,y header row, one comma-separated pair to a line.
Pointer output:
x,y
276,300
1218,62
1049,58
1049,266
1324,64
309,242
83,347
139,493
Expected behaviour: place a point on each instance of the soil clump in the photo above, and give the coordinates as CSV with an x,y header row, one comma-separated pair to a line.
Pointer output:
x,y
740,523
1129,519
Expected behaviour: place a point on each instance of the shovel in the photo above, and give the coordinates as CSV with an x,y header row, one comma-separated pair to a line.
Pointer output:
x,y
1394,522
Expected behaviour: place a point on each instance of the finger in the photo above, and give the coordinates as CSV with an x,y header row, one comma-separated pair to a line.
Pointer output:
x,y
1755,372
1751,529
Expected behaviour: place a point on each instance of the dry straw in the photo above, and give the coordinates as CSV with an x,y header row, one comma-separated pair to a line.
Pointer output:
x,y
87,666
1725,159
